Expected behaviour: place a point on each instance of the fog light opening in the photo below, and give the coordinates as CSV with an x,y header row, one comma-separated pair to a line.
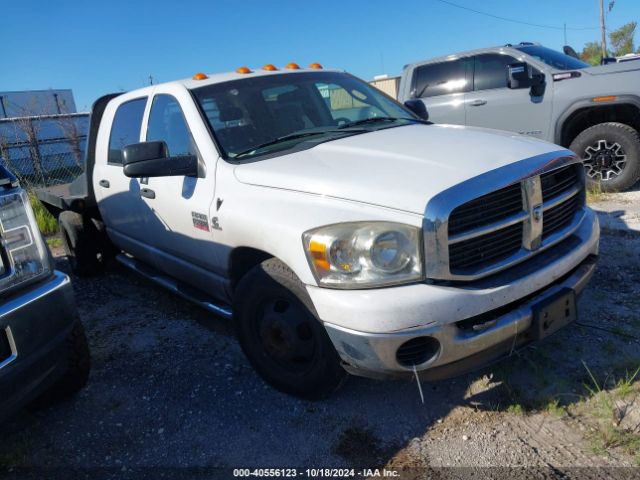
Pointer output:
x,y
417,351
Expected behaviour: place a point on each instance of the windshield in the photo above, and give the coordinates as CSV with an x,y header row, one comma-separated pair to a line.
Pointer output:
x,y
554,59
264,114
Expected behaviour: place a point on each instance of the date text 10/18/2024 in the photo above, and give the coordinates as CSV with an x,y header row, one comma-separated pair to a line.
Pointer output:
x,y
315,473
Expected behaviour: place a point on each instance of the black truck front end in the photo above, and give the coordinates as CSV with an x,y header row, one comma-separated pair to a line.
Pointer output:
x,y
43,350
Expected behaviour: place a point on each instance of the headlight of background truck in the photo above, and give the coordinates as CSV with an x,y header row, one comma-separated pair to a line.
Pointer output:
x,y
364,254
24,257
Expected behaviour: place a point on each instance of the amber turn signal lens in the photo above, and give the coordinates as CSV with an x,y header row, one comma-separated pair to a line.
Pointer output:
x,y
319,255
199,76
606,98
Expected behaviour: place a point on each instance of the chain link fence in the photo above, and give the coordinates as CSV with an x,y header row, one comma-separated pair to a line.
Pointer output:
x,y
43,151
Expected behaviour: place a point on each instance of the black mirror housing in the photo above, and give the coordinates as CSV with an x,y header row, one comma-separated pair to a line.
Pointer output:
x,y
520,75
150,159
418,107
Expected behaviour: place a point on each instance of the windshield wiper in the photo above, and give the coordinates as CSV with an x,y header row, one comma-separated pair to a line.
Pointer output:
x,y
380,119
290,136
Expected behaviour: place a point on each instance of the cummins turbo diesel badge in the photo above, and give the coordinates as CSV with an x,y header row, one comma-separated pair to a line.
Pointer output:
x,y
200,221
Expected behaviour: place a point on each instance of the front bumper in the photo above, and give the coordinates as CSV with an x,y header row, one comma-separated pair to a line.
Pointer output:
x,y
36,323
502,304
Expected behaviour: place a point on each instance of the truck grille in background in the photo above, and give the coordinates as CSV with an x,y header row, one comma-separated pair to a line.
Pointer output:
x,y
489,230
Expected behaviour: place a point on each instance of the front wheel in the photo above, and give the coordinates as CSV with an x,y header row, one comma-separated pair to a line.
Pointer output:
x,y
610,153
280,334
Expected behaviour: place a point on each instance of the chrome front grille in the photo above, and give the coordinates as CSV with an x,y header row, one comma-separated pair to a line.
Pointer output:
x,y
486,248
485,210
504,227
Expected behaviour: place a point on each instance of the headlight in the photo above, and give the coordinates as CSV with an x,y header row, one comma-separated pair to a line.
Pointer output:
x,y
24,254
364,254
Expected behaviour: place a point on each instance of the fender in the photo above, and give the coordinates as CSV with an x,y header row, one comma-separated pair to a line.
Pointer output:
x,y
588,103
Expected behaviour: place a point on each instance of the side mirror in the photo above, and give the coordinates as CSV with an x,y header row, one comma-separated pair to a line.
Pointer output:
x,y
418,107
151,159
520,75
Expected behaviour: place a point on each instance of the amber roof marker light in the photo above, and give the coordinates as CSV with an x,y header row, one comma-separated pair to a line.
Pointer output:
x,y
292,66
243,70
316,66
270,67
200,76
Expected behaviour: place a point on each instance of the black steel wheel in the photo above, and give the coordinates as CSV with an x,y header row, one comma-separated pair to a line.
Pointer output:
x,y
280,334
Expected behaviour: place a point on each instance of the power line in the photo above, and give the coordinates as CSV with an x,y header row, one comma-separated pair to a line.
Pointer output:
x,y
553,27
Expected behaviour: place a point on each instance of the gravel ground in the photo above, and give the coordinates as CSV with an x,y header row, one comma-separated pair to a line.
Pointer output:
x,y
170,389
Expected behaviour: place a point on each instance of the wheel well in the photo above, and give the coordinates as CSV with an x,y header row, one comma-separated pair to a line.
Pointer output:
x,y
242,260
584,118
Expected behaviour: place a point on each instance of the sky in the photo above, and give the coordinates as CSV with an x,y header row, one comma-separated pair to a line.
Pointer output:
x,y
97,47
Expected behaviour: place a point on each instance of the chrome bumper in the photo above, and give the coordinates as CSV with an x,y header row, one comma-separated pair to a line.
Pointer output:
x,y
374,354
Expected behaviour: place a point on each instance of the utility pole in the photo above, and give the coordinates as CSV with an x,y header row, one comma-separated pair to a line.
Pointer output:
x,y
603,30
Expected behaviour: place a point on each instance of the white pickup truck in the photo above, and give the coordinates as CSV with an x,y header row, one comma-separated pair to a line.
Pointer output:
x,y
339,230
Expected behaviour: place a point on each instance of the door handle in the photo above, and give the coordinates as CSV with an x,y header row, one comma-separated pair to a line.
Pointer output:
x,y
478,102
148,193
104,183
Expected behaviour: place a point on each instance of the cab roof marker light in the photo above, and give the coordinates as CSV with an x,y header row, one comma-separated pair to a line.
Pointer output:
x,y
315,66
292,66
200,76
243,70
270,67
605,98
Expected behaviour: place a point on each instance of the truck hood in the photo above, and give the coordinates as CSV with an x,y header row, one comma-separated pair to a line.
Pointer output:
x,y
613,68
400,168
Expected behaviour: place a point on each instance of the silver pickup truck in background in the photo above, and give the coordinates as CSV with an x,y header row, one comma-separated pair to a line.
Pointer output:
x,y
539,92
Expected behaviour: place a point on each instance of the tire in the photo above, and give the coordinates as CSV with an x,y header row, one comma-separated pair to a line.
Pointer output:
x,y
611,155
76,373
279,332
82,244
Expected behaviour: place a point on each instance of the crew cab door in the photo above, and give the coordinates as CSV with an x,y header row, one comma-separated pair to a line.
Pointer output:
x,y
492,104
441,87
122,209
181,229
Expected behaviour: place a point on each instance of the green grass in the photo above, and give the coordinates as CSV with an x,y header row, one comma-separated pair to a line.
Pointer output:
x,y
595,194
602,409
46,222
553,407
54,242
516,409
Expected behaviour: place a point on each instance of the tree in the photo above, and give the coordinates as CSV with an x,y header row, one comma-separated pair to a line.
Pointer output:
x,y
591,53
622,39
